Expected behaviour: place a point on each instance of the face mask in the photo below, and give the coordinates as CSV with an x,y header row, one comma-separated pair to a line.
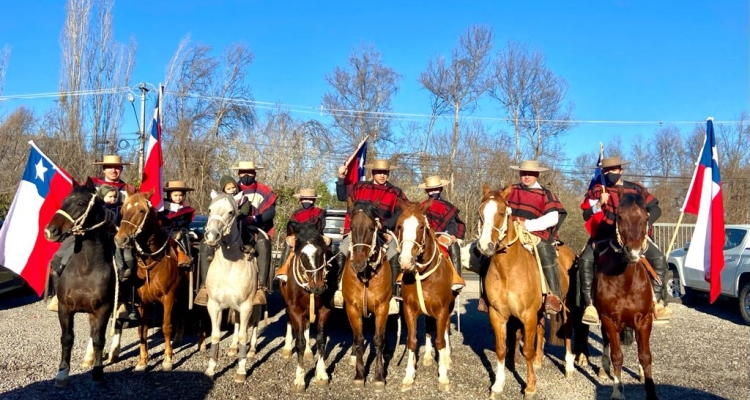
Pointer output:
x,y
307,205
247,180
612,178
435,195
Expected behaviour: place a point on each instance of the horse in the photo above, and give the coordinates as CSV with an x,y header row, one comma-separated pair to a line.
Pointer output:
x,y
159,277
366,287
426,288
623,295
305,297
231,282
87,284
513,287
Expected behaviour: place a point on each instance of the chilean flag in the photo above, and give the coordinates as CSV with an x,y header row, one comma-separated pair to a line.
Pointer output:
x,y
152,167
355,164
23,248
598,177
706,252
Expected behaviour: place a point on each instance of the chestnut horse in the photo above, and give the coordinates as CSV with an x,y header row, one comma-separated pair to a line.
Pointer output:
x,y
158,274
305,297
623,295
366,286
513,288
426,287
87,285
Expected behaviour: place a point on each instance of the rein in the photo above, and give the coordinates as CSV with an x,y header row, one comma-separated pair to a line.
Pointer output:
x,y
138,231
78,229
503,231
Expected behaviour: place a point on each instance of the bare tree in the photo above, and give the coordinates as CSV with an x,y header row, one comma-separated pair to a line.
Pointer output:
x,y
458,85
360,97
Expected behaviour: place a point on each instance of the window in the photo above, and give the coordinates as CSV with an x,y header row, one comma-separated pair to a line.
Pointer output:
x,y
733,237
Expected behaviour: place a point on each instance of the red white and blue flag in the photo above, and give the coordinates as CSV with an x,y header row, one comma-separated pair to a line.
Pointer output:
x,y
706,252
598,177
23,247
152,168
355,164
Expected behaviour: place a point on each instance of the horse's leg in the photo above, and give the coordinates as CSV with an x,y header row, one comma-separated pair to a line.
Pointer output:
x,y
321,375
234,345
114,347
447,335
308,351
429,353
98,335
246,309
381,319
286,351
500,326
214,311
355,320
530,323
643,338
166,329
539,354
143,338
88,357
618,388
569,356
441,340
254,329
301,329
410,315
606,367
66,341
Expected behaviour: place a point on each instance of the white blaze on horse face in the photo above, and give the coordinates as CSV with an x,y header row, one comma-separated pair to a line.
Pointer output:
x,y
488,214
310,251
409,230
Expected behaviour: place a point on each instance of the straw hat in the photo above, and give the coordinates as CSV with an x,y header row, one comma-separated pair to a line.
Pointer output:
x,y
380,165
177,185
610,162
307,194
246,166
111,159
529,165
433,182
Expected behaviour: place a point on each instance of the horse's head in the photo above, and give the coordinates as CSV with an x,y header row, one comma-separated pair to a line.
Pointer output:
x,y
494,217
632,226
310,263
415,237
365,224
222,214
76,212
135,212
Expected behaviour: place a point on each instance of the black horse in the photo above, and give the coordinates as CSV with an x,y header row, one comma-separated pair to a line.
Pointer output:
x,y
87,284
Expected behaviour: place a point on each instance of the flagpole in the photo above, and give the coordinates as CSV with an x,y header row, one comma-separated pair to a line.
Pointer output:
x,y
674,234
142,133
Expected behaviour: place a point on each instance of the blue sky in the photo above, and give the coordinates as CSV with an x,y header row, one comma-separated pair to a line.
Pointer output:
x,y
623,60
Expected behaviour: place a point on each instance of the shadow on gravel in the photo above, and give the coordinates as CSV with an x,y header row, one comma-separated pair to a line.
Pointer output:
x,y
638,391
724,307
124,384
17,298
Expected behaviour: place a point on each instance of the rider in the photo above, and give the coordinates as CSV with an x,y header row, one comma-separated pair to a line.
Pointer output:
x,y
307,213
443,218
384,195
605,199
175,219
258,226
541,213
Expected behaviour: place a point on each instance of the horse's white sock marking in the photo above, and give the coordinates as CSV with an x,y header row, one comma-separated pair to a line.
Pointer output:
x,y
490,209
409,237
499,377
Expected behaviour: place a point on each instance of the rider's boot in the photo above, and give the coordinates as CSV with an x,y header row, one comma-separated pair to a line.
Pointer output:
x,y
132,315
586,270
458,282
662,313
483,305
183,256
201,298
396,287
53,302
248,245
338,297
263,248
283,271
548,258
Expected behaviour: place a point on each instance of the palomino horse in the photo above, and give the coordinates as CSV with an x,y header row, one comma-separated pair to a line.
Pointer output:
x,y
426,288
158,273
513,283
87,285
305,297
366,287
231,282
623,293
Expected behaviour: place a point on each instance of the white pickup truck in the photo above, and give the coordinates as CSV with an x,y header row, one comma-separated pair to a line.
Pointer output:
x,y
682,283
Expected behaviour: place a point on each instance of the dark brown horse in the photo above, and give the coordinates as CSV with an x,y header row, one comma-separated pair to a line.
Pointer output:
x,y
87,285
366,287
623,295
304,294
158,274
426,287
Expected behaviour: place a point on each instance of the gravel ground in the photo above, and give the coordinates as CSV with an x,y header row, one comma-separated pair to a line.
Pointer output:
x,y
702,354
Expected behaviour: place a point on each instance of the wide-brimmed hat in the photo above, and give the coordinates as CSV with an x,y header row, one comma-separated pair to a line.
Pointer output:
x,y
246,166
610,162
380,165
307,194
529,165
111,159
433,182
173,186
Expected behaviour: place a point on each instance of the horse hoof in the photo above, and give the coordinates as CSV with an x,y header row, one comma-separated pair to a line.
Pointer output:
x,y
405,387
359,383
568,374
323,383
299,388
427,361
444,387
378,386
353,361
209,375
87,363
308,356
61,382
166,366
582,360
140,368
251,354
494,394
529,396
602,374
240,378
537,367
232,351
286,353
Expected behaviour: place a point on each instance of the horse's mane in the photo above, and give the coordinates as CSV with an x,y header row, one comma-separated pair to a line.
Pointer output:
x,y
369,208
308,233
632,199
229,197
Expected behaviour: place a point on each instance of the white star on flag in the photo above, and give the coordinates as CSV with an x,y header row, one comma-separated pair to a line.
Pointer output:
x,y
40,170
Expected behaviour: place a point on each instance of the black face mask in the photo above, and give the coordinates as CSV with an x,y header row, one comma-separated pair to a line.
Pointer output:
x,y
307,205
434,195
247,180
612,178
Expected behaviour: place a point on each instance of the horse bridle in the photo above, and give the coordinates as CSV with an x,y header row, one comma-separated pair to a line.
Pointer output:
x,y
644,244
301,273
372,246
139,229
420,246
77,228
502,232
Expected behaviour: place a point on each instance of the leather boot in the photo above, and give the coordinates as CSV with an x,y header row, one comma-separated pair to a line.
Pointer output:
x,y
184,260
283,271
396,285
457,282
52,305
548,258
662,313
586,270
484,266
201,298
263,248
338,297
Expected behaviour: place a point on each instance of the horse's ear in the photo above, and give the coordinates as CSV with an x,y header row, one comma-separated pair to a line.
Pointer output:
x,y
76,185
150,193
506,192
90,185
213,194
129,191
400,203
485,190
427,204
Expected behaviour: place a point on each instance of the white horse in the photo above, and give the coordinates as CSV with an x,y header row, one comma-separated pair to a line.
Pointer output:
x,y
231,282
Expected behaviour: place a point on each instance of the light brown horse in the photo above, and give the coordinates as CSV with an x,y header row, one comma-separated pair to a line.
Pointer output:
x,y
366,286
159,277
426,287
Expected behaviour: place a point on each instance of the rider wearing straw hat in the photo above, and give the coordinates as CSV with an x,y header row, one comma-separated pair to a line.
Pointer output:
x,y
258,225
444,220
605,199
542,214
306,214
382,194
176,218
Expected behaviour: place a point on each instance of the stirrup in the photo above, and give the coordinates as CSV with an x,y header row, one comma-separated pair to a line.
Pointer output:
x,y
338,299
662,314
281,277
482,305
52,305
456,287
260,297
393,306
590,316
201,298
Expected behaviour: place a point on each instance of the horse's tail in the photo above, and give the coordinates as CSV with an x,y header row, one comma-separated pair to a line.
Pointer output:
x,y
627,336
